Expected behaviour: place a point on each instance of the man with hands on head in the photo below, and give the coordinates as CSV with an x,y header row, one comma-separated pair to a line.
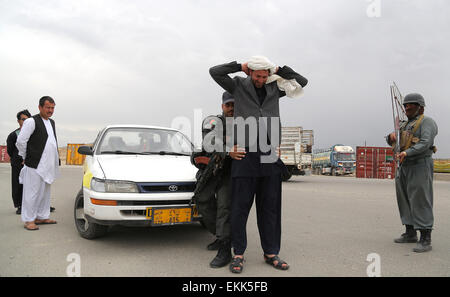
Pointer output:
x,y
254,170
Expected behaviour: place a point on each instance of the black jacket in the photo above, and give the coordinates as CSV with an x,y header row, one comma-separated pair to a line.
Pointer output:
x,y
13,152
247,101
252,103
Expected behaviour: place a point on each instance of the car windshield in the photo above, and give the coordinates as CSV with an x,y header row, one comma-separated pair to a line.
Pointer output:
x,y
145,141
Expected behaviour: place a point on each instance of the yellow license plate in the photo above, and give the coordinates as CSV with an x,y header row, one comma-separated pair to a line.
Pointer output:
x,y
169,216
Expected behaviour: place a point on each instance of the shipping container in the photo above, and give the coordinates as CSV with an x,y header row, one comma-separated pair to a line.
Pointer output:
x,y
375,162
4,157
72,156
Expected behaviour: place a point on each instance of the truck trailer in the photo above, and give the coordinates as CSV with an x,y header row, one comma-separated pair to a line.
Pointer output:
x,y
336,160
295,149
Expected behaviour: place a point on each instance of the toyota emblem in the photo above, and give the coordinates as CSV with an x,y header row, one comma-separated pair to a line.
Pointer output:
x,y
173,188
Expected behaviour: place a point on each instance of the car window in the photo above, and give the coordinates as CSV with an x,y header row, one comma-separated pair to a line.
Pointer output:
x,y
95,143
179,143
143,141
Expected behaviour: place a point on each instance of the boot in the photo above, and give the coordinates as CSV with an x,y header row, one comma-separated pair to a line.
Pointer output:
x,y
213,246
424,245
410,236
223,256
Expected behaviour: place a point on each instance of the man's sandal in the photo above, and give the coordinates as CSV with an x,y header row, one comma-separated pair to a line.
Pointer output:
x,y
31,226
271,261
45,222
237,265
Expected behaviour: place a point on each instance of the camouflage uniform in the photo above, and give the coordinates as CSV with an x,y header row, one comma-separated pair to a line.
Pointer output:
x,y
213,199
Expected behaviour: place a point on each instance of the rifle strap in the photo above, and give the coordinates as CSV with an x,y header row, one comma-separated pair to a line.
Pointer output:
x,y
416,127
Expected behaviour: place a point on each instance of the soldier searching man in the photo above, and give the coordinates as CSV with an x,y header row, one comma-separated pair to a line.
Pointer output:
x,y
414,179
213,190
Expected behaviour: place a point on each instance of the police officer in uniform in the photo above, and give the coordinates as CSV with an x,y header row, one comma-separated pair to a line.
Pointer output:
x,y
213,192
414,179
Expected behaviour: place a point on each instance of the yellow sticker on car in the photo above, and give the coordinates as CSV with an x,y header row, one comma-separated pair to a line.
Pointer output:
x,y
87,177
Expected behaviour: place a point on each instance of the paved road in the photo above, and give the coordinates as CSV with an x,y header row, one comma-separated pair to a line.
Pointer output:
x,y
330,226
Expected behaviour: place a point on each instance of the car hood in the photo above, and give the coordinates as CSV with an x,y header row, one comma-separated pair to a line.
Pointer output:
x,y
153,168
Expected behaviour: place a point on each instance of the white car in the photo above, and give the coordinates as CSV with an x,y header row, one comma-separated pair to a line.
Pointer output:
x,y
135,176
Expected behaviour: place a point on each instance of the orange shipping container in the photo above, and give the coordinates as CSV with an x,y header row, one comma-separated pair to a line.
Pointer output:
x,y
72,156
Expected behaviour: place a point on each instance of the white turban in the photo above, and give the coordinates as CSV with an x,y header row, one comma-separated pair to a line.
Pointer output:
x,y
261,63
292,88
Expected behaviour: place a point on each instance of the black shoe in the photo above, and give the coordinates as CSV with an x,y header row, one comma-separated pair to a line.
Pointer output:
x,y
52,209
424,245
410,236
223,256
19,210
213,246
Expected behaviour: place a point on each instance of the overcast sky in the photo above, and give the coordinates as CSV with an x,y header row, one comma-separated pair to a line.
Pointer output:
x,y
146,62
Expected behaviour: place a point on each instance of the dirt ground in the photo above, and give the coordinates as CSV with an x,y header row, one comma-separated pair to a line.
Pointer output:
x,y
442,176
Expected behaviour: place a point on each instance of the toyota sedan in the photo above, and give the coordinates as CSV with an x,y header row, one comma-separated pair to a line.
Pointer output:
x,y
135,176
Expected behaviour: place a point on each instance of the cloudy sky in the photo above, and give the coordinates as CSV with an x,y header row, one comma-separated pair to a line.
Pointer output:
x,y
146,62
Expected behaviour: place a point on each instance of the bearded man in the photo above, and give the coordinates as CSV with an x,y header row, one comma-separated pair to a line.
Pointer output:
x,y
255,172
37,144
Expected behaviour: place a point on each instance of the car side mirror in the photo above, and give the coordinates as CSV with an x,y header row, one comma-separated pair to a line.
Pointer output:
x,y
85,150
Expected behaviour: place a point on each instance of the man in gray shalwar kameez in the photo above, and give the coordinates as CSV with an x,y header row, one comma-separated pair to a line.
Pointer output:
x,y
414,179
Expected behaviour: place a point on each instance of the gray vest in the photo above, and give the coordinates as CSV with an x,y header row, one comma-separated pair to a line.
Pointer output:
x,y
247,105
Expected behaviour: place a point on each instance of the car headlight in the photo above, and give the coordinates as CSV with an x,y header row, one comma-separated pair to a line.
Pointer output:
x,y
113,186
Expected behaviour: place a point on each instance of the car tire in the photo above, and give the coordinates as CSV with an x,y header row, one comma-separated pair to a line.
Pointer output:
x,y
85,228
286,176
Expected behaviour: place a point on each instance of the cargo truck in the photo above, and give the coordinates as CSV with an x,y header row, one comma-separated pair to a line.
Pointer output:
x,y
295,149
336,160
307,143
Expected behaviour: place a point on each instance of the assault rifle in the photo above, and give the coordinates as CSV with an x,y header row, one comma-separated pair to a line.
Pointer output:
x,y
213,168
399,115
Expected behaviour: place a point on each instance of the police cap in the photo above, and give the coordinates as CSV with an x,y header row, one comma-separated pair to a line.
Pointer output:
x,y
227,97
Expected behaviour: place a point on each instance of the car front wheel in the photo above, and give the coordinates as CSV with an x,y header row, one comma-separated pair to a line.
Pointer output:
x,y
86,229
